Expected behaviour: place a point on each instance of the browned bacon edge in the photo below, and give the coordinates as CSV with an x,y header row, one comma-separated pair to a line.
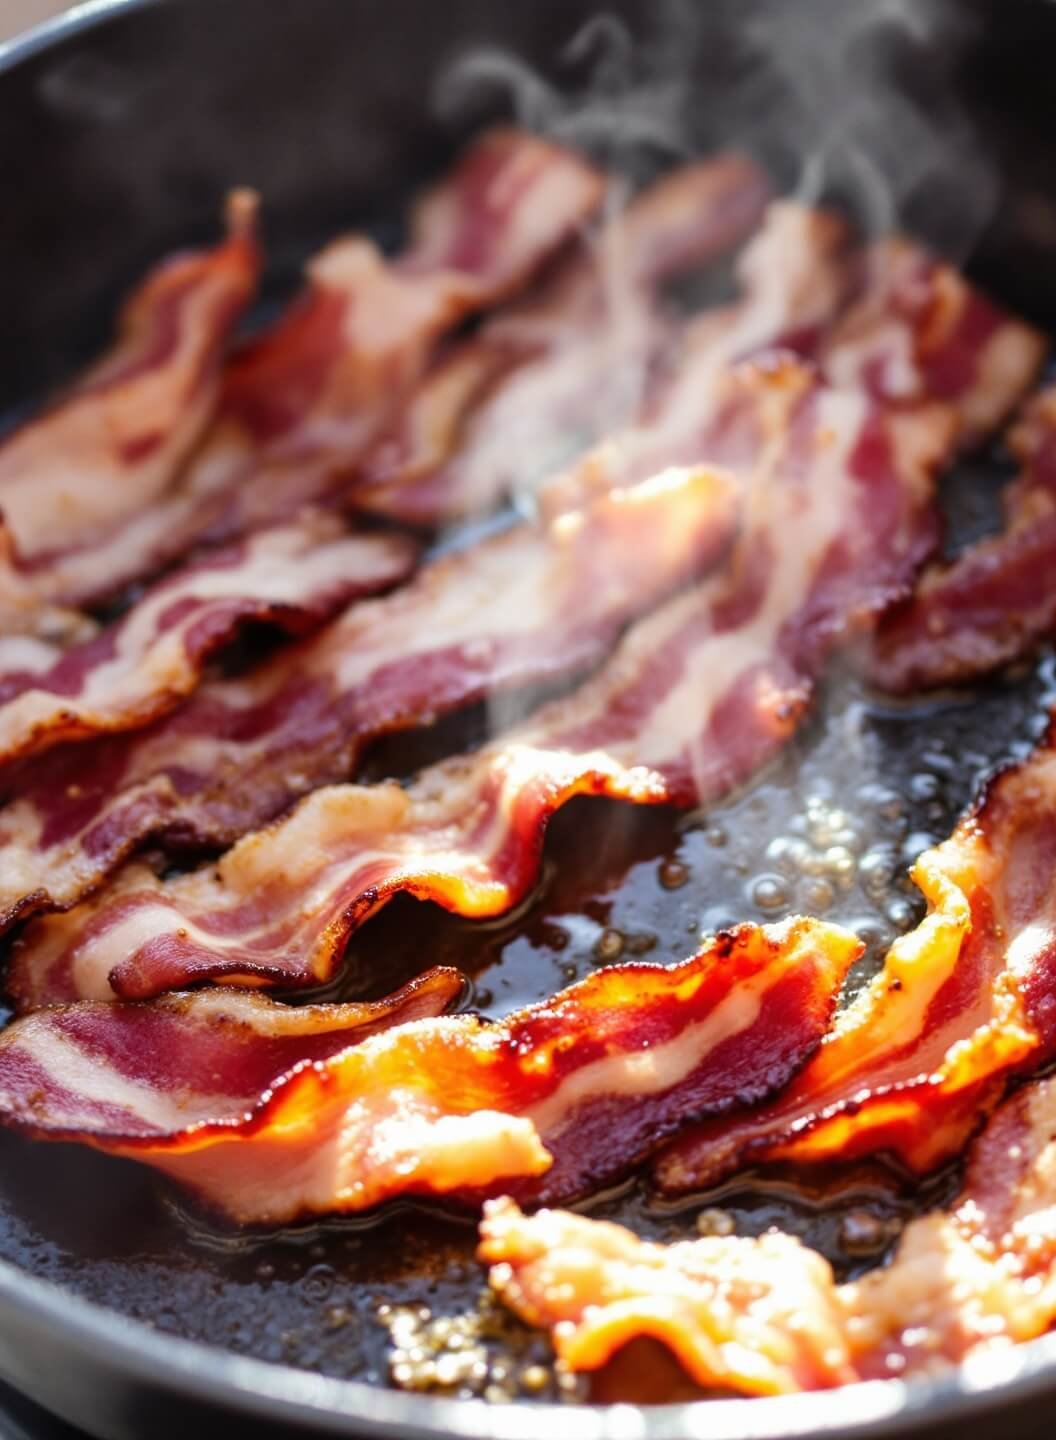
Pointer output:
x,y
995,601
962,1003
526,607
142,665
300,402
837,518
270,1112
112,445
765,1316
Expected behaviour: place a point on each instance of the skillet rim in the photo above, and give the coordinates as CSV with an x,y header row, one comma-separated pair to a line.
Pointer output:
x,y
251,1388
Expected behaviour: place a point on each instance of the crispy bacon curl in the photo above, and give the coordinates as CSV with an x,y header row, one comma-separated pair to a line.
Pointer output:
x,y
764,1316
962,1003
269,1112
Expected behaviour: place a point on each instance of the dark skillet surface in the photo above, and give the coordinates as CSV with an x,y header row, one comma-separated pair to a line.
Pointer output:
x,y
108,183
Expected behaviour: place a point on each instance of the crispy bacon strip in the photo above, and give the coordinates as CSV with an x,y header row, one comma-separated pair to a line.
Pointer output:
x,y
962,1002
524,607
112,445
300,403
270,1112
564,364
695,697
764,1316
995,601
146,662
916,331
921,331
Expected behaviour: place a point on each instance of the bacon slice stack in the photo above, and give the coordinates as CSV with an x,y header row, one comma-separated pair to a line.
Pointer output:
x,y
526,606
269,1112
764,1316
694,698
996,600
297,405
246,748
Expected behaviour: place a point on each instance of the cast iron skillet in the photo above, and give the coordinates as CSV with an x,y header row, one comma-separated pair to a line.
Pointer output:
x,y
122,125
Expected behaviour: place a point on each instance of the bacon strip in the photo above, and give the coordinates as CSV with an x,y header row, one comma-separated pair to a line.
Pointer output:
x,y
300,403
146,662
112,445
695,697
920,331
269,1112
917,331
524,607
764,1316
995,601
564,364
960,1004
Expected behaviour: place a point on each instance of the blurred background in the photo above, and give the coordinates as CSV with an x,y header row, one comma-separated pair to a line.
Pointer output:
x,y
16,15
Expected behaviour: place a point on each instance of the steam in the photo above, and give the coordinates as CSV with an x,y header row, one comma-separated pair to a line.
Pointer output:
x,y
622,101
859,101
854,100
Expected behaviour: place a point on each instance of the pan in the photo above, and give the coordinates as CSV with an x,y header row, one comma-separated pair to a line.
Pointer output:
x,y
125,122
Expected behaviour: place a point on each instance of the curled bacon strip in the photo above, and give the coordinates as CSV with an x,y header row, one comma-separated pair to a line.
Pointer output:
x,y
995,601
694,698
523,607
112,445
300,403
143,664
920,331
962,1002
764,1316
565,363
269,1111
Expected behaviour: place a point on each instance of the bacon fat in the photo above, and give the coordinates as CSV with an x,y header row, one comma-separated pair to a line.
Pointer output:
x,y
269,1112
